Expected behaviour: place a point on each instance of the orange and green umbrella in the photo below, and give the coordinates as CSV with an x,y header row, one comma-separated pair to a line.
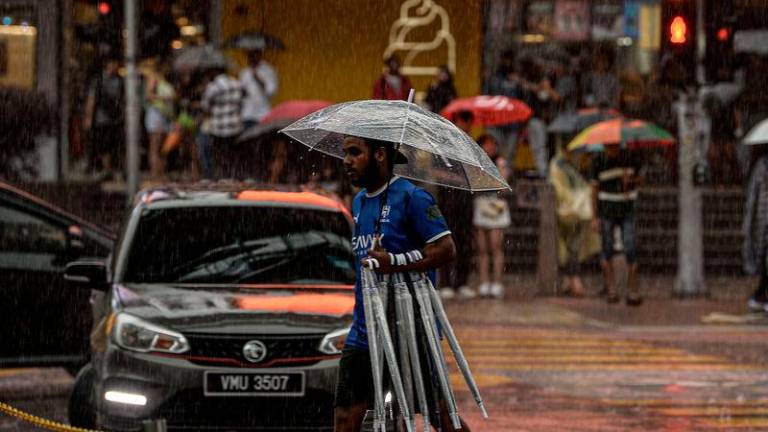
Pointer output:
x,y
629,133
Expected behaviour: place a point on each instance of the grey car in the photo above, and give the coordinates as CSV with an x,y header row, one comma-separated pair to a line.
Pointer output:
x,y
222,309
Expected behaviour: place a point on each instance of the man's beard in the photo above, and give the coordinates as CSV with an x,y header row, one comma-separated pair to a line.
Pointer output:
x,y
368,178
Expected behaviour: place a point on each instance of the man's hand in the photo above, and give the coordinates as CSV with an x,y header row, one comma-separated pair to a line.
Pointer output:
x,y
381,255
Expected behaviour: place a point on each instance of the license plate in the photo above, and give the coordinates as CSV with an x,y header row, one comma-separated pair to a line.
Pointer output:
x,y
254,384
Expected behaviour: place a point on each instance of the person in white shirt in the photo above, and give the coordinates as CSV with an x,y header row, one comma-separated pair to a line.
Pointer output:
x,y
259,80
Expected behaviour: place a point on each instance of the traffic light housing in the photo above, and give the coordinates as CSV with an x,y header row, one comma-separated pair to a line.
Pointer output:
x,y
679,39
721,23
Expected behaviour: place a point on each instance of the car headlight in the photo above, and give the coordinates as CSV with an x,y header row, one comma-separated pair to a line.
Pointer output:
x,y
135,334
334,341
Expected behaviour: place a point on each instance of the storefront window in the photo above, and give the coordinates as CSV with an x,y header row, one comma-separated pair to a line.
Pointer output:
x,y
18,41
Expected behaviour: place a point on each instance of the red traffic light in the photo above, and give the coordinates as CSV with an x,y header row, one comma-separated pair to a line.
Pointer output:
x,y
104,7
723,34
678,30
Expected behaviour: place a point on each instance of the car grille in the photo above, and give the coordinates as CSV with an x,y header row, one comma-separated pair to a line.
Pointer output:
x,y
282,350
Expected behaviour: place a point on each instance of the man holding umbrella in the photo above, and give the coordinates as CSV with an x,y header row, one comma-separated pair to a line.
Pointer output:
x,y
410,225
616,175
399,230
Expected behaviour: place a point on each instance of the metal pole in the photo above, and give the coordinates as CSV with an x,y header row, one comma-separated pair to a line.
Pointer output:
x,y
132,108
547,266
690,249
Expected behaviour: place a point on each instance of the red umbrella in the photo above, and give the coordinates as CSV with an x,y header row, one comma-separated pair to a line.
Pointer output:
x,y
281,116
294,110
490,110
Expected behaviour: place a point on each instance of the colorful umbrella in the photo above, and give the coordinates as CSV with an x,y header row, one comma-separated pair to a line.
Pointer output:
x,y
631,134
489,110
281,116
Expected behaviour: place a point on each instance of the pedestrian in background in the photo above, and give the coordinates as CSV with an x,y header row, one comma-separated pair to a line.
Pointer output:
x,y
222,101
259,80
392,85
491,218
457,204
601,88
616,176
441,91
159,114
576,241
104,120
506,82
755,227
541,96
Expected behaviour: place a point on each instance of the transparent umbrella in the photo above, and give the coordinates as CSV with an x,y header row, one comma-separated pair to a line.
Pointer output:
x,y
757,135
437,151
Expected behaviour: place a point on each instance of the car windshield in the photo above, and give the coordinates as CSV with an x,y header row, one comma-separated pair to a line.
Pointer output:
x,y
241,244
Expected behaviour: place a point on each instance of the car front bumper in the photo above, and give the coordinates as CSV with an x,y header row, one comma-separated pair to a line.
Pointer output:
x,y
173,388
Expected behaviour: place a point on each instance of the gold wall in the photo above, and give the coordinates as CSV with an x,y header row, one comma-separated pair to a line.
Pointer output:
x,y
17,56
335,47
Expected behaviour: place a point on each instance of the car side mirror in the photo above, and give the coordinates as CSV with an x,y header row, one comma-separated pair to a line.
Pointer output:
x,y
87,273
75,239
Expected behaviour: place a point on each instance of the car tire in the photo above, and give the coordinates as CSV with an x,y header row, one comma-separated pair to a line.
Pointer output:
x,y
82,409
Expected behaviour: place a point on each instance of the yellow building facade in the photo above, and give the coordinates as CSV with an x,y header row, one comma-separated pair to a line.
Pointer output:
x,y
334,48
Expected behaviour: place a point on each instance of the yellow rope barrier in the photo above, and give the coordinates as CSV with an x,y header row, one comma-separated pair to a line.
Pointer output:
x,y
39,421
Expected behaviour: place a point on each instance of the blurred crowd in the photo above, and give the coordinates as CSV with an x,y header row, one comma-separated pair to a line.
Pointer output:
x,y
207,123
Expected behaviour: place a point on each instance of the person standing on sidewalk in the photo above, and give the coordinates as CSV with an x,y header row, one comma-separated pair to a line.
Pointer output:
x,y
222,100
392,85
457,204
491,219
259,80
755,228
616,176
441,91
158,116
104,119
576,241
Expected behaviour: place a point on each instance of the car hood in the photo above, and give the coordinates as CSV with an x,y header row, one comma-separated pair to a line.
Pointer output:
x,y
240,309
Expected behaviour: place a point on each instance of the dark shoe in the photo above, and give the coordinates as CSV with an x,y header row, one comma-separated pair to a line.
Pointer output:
x,y
612,297
634,299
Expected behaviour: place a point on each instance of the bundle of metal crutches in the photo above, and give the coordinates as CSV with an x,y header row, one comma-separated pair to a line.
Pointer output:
x,y
397,344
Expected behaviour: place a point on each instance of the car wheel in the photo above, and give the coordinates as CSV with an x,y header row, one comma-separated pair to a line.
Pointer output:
x,y
82,409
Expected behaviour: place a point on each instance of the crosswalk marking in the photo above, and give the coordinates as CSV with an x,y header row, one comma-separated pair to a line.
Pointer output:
x,y
548,357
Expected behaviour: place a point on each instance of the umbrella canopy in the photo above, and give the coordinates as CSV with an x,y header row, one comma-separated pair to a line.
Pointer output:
x,y
573,122
758,134
254,41
437,151
489,110
201,57
631,134
294,110
283,115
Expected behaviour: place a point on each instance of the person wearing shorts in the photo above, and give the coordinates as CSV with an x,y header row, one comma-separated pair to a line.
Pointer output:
x,y
616,175
392,216
491,218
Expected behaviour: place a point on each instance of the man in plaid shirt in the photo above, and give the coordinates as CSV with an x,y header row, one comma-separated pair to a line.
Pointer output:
x,y
222,100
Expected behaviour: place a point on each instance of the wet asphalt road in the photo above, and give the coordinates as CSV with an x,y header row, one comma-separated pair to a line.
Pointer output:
x,y
570,365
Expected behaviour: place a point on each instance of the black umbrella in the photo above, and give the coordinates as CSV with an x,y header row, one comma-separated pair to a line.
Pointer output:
x,y
201,57
254,41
